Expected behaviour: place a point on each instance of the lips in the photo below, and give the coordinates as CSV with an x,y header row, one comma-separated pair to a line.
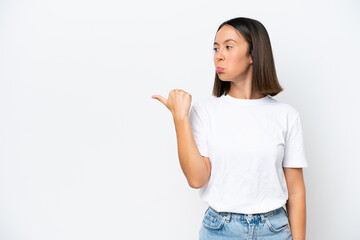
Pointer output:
x,y
219,69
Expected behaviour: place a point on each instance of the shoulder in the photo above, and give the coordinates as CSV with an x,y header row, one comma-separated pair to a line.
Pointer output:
x,y
284,111
204,106
286,108
204,103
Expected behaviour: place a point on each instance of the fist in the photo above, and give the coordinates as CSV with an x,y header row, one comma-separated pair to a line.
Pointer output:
x,y
178,103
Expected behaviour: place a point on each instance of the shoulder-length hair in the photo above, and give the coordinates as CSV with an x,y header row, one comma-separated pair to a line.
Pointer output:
x,y
264,74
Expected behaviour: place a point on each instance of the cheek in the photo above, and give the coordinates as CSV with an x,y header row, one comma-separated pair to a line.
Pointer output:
x,y
237,57
238,62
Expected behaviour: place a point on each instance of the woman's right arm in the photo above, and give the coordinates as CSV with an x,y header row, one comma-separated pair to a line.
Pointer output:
x,y
195,167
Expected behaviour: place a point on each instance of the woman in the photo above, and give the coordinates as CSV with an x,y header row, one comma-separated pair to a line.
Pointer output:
x,y
242,148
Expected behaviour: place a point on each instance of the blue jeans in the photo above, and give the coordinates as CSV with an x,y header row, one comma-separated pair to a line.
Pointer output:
x,y
263,226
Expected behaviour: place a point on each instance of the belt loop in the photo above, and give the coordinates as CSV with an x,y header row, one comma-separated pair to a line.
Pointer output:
x,y
228,217
285,211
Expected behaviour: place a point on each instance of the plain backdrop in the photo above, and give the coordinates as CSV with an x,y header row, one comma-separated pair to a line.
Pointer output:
x,y
86,153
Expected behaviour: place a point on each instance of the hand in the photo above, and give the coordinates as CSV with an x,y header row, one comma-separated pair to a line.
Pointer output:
x,y
178,103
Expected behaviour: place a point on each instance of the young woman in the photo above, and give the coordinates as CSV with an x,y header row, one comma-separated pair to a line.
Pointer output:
x,y
242,148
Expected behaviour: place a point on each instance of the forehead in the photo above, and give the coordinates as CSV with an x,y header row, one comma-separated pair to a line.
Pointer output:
x,y
228,32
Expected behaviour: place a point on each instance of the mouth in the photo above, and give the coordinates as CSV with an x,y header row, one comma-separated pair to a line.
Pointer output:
x,y
219,69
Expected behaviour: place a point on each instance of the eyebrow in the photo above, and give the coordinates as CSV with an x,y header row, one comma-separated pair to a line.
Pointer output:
x,y
227,40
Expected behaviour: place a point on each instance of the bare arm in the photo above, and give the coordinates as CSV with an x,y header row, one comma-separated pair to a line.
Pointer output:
x,y
195,167
296,204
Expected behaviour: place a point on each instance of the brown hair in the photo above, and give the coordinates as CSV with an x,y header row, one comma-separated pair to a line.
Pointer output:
x,y
264,79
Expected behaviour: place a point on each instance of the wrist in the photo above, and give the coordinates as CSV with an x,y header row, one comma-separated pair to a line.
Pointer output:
x,y
180,118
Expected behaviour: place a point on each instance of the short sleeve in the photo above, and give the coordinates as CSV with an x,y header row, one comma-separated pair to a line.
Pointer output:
x,y
294,152
198,130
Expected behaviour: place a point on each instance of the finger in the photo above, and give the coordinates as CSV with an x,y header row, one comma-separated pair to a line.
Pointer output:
x,y
160,98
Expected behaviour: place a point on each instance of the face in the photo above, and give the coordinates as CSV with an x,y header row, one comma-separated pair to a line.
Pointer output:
x,y
231,54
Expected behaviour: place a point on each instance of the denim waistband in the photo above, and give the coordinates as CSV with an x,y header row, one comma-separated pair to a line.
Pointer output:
x,y
244,216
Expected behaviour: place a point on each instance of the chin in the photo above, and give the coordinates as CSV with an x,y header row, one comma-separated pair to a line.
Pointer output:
x,y
222,78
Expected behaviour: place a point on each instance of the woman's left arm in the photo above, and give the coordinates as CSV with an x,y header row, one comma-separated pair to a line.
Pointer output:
x,y
296,204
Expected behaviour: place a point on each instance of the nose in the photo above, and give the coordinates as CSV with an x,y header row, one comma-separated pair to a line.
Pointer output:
x,y
219,56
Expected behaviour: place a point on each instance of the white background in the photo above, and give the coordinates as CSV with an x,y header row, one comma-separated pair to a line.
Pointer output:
x,y
86,153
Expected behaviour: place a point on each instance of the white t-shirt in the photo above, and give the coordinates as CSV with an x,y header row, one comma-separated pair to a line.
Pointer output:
x,y
248,142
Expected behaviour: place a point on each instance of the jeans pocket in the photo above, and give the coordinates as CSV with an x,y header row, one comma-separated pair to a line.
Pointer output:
x,y
278,222
212,220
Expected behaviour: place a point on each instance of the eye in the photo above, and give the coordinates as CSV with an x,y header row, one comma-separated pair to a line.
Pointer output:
x,y
216,48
